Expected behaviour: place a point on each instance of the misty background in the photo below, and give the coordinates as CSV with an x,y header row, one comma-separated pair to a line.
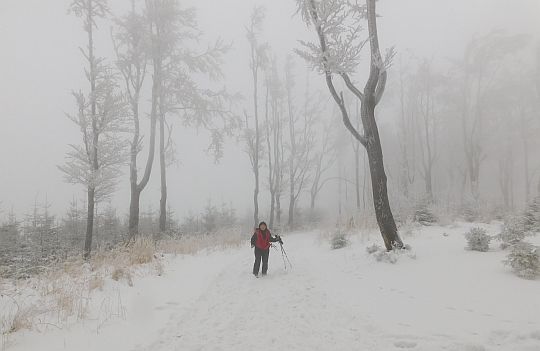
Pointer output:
x,y
41,65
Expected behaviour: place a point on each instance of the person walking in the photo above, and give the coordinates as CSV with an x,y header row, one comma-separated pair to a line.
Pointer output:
x,y
260,240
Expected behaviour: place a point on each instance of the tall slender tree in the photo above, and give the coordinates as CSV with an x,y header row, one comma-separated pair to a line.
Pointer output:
x,y
100,119
174,35
273,128
257,61
425,91
324,159
131,44
476,72
301,139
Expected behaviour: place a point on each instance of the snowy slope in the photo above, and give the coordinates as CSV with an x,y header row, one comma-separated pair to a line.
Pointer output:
x,y
445,299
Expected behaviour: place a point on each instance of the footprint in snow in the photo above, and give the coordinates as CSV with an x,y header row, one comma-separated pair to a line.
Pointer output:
x,y
404,344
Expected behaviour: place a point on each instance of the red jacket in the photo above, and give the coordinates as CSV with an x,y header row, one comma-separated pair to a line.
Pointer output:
x,y
261,240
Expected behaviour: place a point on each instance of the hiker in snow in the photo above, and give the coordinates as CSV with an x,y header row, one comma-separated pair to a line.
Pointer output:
x,y
261,240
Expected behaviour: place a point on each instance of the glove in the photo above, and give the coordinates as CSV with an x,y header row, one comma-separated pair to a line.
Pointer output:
x,y
279,239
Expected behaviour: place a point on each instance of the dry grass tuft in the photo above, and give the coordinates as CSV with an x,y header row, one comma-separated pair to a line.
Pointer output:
x,y
17,317
120,273
192,244
96,282
142,251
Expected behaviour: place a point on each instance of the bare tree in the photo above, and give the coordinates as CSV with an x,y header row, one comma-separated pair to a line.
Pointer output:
x,y
100,117
301,138
425,92
477,73
537,84
338,29
273,130
131,44
406,136
513,102
174,30
258,60
324,159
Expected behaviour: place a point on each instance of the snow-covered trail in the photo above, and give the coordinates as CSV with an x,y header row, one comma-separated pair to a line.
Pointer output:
x,y
293,310
446,299
341,299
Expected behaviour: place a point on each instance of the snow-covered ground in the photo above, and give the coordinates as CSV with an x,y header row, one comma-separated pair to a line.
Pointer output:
x,y
446,298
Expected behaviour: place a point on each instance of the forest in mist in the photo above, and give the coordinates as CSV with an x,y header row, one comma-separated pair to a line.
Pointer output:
x,y
148,117
376,163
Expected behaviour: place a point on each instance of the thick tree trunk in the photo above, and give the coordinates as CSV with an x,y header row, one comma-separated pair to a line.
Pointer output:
x,y
373,91
89,223
134,212
383,212
133,224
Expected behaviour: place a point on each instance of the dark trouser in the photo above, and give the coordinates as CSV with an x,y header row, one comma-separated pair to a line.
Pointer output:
x,y
259,253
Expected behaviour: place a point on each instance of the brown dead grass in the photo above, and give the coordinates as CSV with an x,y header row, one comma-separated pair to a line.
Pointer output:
x,y
18,317
192,244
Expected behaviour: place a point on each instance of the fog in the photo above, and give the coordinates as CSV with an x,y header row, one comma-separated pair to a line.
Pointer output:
x,y
41,64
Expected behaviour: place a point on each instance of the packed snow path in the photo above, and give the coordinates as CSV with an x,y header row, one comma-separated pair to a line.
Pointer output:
x,y
446,299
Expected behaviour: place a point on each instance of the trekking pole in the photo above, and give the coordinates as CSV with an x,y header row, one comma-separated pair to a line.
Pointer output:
x,y
284,255
284,265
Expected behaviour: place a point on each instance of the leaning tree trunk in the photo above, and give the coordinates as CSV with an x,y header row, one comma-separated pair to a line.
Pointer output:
x,y
383,212
372,94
